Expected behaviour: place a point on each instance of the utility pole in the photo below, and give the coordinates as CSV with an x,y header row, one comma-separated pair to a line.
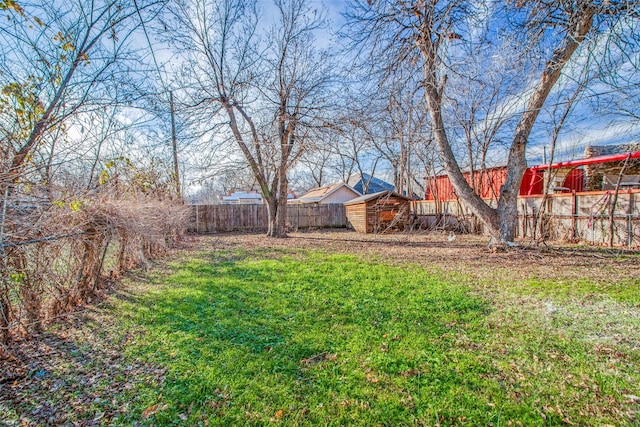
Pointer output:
x,y
174,144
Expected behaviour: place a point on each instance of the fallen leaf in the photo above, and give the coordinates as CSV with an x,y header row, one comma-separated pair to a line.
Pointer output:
x,y
410,373
372,378
320,357
149,411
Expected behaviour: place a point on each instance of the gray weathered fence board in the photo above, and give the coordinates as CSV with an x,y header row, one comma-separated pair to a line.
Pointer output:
x,y
580,216
221,218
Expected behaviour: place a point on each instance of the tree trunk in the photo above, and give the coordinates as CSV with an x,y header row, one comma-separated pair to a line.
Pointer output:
x,y
484,212
281,217
274,216
508,202
501,223
277,209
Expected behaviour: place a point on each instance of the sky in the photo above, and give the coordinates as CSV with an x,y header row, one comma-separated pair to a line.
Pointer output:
x,y
584,129
587,127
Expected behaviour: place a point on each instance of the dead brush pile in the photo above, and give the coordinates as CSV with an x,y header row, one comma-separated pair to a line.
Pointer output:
x,y
57,255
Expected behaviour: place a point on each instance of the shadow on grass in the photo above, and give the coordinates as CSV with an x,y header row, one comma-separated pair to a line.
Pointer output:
x,y
70,374
329,339
258,336
263,335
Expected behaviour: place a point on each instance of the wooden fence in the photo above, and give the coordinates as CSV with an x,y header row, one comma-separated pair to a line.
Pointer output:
x,y
221,218
594,217
597,217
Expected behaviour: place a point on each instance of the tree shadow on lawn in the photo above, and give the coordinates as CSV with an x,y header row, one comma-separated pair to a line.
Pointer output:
x,y
73,373
310,338
237,338
257,342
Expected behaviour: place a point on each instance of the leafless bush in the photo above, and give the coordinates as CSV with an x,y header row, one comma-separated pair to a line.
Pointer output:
x,y
56,255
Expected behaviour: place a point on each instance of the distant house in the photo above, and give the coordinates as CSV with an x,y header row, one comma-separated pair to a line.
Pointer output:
x,y
248,198
242,198
291,195
336,193
604,175
370,183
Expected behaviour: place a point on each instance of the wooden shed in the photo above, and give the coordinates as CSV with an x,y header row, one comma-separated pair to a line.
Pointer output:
x,y
378,212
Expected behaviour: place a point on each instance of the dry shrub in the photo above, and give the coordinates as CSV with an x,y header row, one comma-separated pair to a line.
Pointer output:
x,y
142,229
55,255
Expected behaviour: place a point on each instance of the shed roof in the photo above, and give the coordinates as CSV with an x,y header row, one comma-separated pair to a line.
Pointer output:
x,y
368,197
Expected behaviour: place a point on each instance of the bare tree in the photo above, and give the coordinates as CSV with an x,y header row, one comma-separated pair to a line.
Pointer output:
x,y
270,89
59,59
617,59
357,147
427,32
480,105
315,164
407,124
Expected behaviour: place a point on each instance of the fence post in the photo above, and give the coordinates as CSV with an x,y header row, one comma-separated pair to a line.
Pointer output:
x,y
630,209
524,219
574,212
4,290
629,231
104,255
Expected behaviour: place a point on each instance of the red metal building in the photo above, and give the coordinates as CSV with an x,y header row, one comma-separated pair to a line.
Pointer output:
x,y
487,183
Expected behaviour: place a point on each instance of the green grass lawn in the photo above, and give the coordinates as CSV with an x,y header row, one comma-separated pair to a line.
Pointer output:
x,y
311,338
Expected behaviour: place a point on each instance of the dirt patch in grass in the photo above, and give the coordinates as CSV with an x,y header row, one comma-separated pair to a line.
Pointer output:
x,y
467,254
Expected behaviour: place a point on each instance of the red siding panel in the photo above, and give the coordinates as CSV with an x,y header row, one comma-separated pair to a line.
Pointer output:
x,y
532,182
575,180
487,184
